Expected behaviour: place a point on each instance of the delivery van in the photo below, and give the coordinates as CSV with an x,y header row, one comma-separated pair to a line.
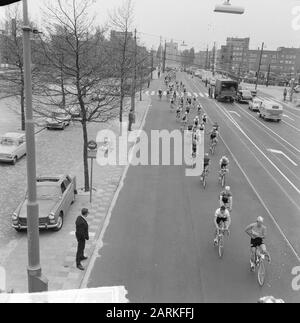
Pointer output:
x,y
270,110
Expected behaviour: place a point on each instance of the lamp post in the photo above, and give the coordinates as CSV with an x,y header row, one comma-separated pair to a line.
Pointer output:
x,y
259,65
36,281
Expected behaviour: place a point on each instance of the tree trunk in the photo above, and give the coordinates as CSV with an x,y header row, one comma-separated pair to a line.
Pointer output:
x,y
85,157
22,109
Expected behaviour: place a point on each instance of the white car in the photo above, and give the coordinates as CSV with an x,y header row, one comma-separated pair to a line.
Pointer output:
x,y
255,104
58,120
12,147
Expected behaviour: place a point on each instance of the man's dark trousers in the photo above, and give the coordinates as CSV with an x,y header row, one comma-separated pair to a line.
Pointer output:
x,y
80,251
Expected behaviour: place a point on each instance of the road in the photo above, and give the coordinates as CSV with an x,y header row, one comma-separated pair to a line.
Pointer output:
x,y
159,238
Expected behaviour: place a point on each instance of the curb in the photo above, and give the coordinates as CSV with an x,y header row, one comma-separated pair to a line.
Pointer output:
x,y
93,250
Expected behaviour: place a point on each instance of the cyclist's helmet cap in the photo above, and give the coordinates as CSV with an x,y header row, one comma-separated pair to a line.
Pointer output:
x,y
223,208
260,219
206,155
227,188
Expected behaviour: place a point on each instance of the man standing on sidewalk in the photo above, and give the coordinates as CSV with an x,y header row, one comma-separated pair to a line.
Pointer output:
x,y
131,120
82,235
284,94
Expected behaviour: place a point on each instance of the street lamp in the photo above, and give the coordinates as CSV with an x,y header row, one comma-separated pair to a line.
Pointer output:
x,y
227,7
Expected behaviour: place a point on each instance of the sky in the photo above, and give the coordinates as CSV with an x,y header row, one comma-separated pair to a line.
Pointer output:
x,y
275,22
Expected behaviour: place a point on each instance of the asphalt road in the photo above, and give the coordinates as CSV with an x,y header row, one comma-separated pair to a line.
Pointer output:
x,y
159,239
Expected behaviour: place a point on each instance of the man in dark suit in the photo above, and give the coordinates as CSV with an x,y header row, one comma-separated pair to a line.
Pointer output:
x,y
82,235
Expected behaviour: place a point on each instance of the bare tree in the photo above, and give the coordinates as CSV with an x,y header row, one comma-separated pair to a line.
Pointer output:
x,y
77,70
122,43
11,43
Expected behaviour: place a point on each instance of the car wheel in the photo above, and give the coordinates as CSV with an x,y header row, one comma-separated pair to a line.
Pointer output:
x,y
18,230
15,160
60,222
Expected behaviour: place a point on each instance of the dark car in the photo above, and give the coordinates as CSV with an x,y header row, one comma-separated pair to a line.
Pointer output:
x,y
244,96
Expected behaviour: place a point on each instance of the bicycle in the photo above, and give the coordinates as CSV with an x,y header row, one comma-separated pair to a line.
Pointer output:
x,y
220,238
222,177
260,267
213,146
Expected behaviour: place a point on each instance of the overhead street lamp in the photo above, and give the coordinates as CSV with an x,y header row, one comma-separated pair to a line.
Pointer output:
x,y
227,7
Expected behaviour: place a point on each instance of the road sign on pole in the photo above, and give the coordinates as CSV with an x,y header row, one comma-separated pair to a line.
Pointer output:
x,y
92,154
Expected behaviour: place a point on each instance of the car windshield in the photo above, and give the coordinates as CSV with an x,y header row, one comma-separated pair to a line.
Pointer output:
x,y
248,93
59,115
8,142
46,192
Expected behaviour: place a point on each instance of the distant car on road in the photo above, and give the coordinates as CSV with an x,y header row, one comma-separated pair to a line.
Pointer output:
x,y
255,104
55,195
12,147
58,120
244,96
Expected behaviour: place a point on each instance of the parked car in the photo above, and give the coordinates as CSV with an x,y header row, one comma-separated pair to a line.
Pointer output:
x,y
55,195
12,147
58,120
244,96
255,104
270,110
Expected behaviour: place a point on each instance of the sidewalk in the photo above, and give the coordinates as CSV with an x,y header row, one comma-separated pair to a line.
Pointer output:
x,y
277,93
58,250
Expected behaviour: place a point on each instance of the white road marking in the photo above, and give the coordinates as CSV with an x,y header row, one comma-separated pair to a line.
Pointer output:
x,y
235,113
254,144
202,96
288,117
189,94
207,95
196,95
250,115
165,93
153,93
290,125
147,92
274,151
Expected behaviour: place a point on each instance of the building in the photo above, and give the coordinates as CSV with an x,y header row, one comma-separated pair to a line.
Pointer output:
x,y
172,54
288,62
120,35
201,59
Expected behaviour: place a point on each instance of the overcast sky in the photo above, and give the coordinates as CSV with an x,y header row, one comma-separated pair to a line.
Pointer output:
x,y
194,21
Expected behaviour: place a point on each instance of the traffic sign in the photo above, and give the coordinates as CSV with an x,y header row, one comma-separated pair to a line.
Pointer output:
x,y
92,145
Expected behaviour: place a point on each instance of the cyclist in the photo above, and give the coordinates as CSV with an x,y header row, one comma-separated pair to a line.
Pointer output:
x,y
206,165
160,92
214,134
226,198
257,232
204,118
196,122
224,164
178,113
199,107
194,147
172,105
222,216
194,102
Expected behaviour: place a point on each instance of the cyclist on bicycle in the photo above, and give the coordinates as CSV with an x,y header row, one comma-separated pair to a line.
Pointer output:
x,y
214,134
222,216
257,233
204,118
206,165
199,107
160,92
226,198
196,122
194,145
224,163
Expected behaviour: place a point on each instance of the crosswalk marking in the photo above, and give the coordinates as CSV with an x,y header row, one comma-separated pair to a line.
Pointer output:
x,y
202,96
196,95
179,94
206,94
153,93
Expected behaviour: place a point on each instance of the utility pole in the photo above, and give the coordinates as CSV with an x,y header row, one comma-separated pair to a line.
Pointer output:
x,y
36,282
268,76
134,74
165,57
206,62
259,65
152,64
214,60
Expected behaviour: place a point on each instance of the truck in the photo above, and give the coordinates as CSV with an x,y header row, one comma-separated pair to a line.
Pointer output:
x,y
226,90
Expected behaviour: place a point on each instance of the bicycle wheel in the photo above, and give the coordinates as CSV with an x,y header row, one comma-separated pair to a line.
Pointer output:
x,y
261,273
204,182
221,246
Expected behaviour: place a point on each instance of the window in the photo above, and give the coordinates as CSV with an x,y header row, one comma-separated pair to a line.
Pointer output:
x,y
63,187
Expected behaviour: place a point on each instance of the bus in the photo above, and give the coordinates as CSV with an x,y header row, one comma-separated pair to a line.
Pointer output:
x,y
226,90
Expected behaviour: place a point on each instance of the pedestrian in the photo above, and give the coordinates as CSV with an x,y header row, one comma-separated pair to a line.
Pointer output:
x,y
284,94
131,120
82,235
